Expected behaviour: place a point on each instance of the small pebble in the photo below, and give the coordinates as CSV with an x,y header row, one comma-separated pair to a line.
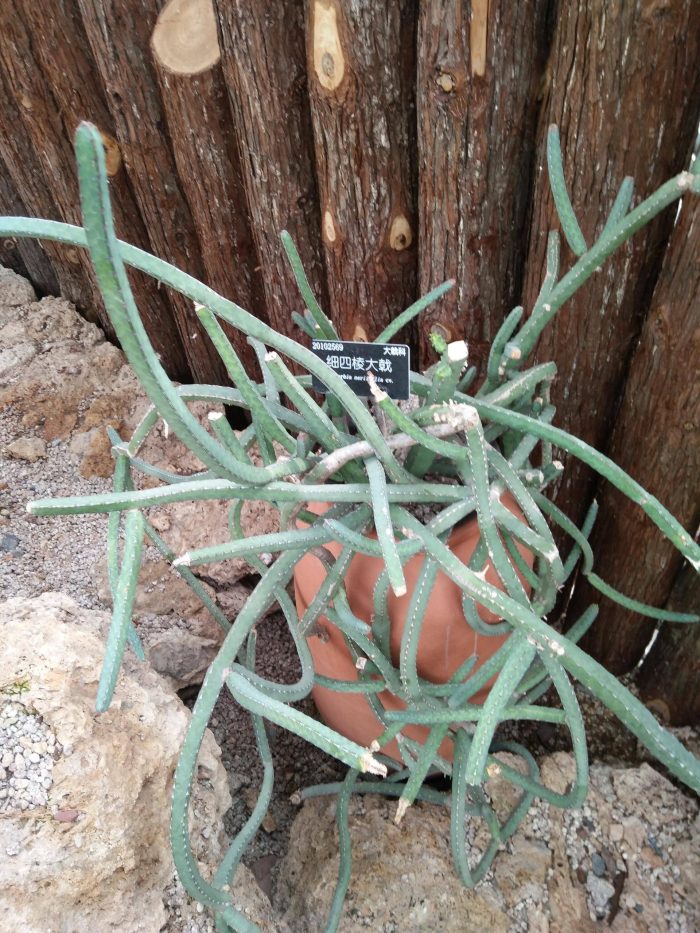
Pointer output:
x,y
8,543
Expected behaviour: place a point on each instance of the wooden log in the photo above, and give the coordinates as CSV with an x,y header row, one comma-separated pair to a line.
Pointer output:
x,y
186,52
624,88
25,257
669,679
361,64
23,163
264,65
119,33
479,68
44,53
657,440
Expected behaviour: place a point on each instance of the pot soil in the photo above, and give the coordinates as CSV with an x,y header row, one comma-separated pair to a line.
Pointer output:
x,y
446,639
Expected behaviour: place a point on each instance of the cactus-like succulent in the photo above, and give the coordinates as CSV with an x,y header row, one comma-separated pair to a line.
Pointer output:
x,y
371,462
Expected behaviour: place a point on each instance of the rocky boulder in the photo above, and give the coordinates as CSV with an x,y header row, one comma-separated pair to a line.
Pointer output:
x,y
627,861
85,798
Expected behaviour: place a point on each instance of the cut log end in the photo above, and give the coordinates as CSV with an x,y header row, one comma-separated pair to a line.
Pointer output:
x,y
328,57
184,39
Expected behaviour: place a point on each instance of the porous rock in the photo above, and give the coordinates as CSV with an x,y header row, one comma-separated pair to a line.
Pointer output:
x,y
27,448
402,876
96,854
563,870
14,290
65,380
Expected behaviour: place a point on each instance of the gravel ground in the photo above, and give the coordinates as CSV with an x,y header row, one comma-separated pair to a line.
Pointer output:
x,y
28,752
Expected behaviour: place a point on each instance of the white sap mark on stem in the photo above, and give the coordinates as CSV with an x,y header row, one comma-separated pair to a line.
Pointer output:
x,y
401,808
361,664
554,645
400,233
457,350
329,227
329,61
368,763
377,394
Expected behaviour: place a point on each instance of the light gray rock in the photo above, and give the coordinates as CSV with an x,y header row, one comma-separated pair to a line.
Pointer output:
x,y
182,657
99,843
14,290
27,448
600,892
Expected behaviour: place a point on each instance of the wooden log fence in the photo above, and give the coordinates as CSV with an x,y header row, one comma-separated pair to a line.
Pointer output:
x,y
400,144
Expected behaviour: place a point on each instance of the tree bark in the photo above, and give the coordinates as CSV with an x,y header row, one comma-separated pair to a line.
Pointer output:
x,y
264,66
72,266
624,89
361,65
206,154
476,139
43,50
25,257
669,679
119,33
656,439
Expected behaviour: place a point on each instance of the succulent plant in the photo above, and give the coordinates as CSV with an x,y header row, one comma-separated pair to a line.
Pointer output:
x,y
371,461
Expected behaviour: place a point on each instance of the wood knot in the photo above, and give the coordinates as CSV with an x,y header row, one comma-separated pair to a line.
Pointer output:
x,y
113,157
446,82
329,61
400,233
329,227
360,334
441,331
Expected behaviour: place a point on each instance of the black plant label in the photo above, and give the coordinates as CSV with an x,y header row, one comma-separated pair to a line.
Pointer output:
x,y
389,363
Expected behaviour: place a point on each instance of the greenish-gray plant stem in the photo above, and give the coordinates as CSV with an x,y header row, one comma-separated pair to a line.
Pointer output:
x,y
374,475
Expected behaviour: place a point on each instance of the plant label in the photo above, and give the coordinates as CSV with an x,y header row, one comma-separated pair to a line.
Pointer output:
x,y
389,363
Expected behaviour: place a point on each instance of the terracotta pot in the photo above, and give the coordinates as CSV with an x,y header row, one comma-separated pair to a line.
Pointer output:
x,y
446,639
